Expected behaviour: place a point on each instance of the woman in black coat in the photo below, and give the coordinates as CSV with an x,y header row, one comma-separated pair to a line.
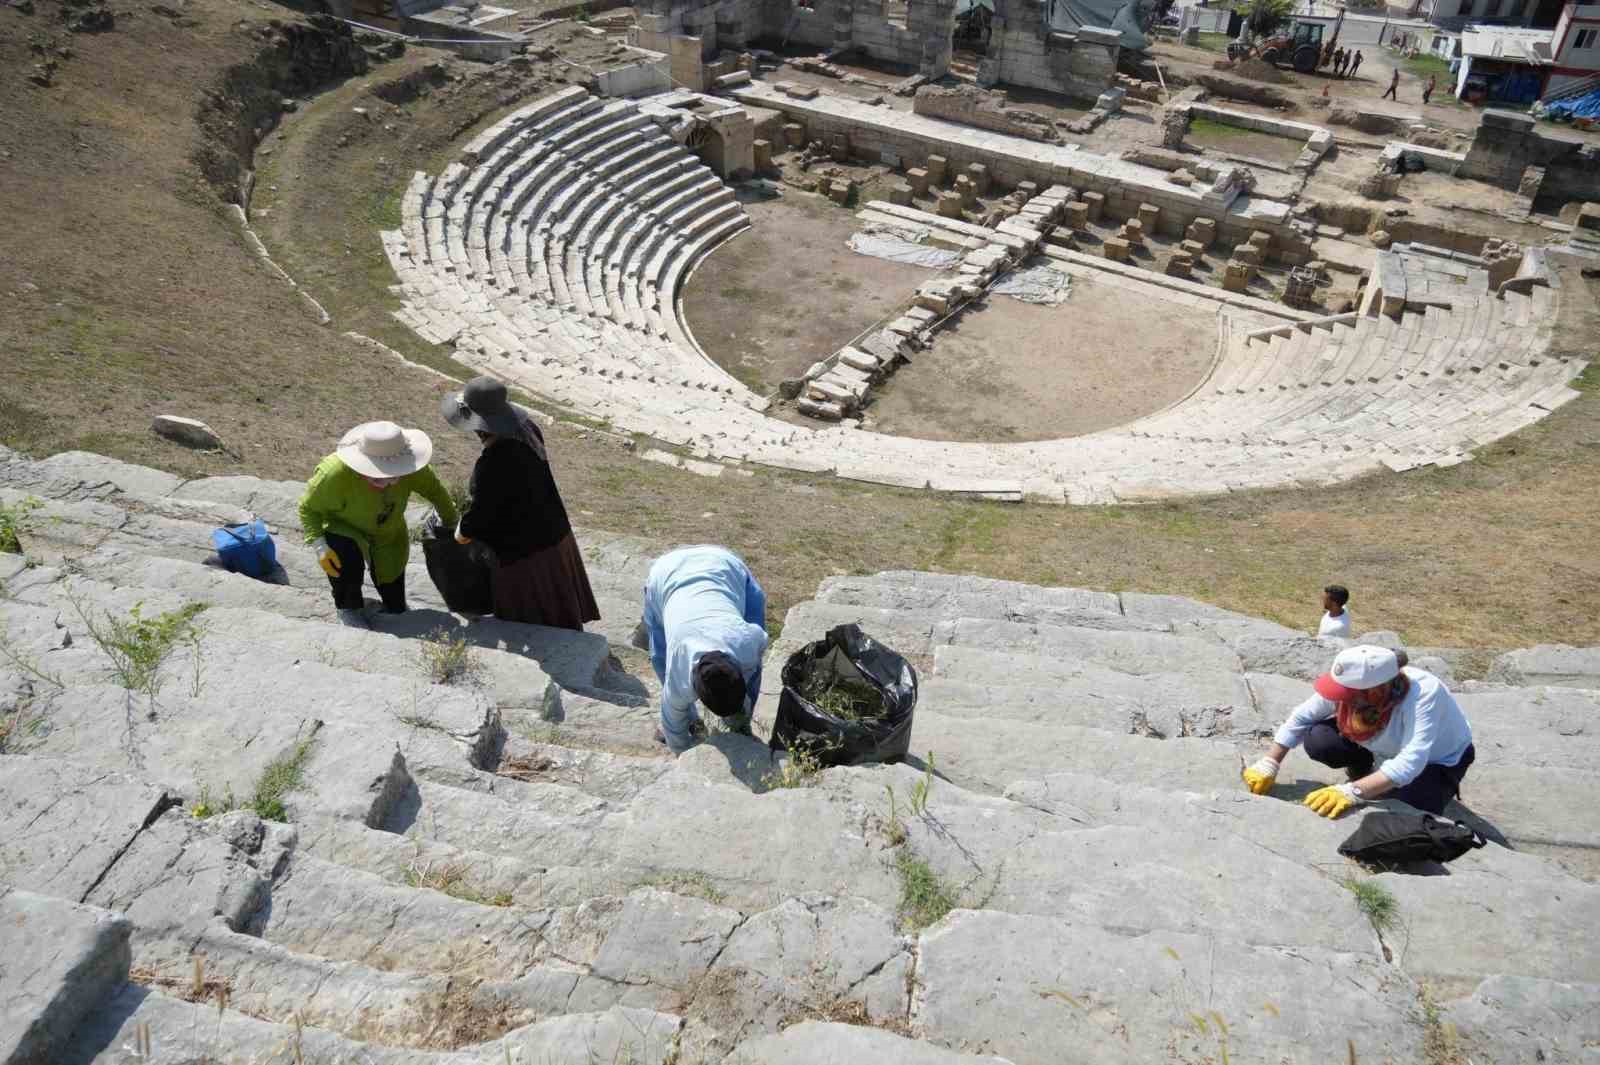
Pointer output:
x,y
516,510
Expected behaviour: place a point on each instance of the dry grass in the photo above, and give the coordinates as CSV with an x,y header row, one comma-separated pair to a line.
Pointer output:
x,y
453,879
119,263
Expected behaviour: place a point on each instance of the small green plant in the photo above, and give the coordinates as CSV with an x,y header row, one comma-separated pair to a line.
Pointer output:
x,y
211,805
922,789
139,646
1374,901
799,770
13,522
447,659
281,776
893,829
1441,1043
847,700
25,663
924,896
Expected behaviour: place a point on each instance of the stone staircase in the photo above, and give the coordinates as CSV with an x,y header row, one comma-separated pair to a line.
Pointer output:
x,y
552,255
505,868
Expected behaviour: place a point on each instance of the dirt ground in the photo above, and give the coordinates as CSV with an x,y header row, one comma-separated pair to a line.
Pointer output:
x,y
788,292
1009,370
130,293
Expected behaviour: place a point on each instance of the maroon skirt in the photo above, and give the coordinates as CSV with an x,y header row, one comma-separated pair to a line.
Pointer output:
x,y
549,587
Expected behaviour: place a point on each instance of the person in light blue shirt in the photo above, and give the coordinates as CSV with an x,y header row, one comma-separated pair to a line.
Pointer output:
x,y
704,615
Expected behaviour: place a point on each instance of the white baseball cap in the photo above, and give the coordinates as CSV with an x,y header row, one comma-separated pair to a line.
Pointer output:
x,y
1357,669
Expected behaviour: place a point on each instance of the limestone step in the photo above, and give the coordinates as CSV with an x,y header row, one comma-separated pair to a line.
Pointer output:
x,y
979,599
999,981
847,1044
65,959
226,1037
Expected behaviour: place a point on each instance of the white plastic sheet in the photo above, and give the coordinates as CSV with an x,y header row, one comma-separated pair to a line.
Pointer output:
x,y
1034,284
902,246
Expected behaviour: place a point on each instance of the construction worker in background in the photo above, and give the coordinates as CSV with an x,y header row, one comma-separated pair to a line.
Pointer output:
x,y
1355,64
705,623
1371,704
1394,85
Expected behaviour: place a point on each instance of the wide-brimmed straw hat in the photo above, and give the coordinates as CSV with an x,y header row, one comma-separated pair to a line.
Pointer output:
x,y
482,407
383,449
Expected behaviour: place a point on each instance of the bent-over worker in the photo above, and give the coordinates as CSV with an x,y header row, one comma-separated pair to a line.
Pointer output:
x,y
354,512
704,614
1371,705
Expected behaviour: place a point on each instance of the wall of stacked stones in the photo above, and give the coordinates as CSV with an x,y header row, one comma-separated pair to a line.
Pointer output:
x,y
1031,56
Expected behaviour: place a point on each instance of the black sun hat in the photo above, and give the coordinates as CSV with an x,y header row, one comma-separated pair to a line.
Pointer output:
x,y
482,407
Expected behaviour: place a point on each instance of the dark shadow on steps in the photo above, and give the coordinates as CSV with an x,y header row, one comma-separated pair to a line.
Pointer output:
x,y
96,1036
403,811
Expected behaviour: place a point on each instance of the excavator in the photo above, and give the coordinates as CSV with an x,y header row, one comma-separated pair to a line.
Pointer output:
x,y
1302,47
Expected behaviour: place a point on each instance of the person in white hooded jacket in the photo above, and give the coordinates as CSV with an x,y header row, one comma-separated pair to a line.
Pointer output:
x,y
1372,705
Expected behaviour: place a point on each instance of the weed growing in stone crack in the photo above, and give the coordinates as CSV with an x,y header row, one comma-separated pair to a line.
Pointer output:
x,y
450,878
893,829
210,804
281,776
921,790
924,896
447,659
1441,1043
1375,902
138,646
13,522
799,770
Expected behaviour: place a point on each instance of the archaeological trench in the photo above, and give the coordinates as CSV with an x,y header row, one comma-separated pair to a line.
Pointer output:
x,y
500,867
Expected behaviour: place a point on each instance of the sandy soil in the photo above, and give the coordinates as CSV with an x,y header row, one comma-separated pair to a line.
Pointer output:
x,y
1007,370
788,292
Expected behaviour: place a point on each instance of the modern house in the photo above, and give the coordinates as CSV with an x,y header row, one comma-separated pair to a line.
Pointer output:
x,y
1519,64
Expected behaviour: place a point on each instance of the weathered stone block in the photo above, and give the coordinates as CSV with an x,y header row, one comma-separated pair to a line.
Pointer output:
x,y
1193,248
1180,266
1247,253
950,204
978,174
938,166
1203,231
1096,204
1076,215
967,190
762,155
794,134
917,178
1589,217
900,194
1027,189
1118,249
1149,217
1262,240
1133,231
839,192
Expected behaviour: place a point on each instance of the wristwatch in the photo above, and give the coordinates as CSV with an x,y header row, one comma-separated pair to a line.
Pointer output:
x,y
1355,789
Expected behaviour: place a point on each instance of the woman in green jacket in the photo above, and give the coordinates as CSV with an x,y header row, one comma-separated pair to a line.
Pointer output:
x,y
354,512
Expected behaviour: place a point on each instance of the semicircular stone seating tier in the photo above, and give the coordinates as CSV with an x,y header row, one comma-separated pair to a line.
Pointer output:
x,y
552,255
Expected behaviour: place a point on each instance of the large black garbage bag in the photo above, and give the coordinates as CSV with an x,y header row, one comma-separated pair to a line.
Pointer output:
x,y
847,700
462,572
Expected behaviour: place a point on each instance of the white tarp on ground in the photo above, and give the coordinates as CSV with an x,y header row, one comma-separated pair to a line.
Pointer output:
x,y
902,246
1034,284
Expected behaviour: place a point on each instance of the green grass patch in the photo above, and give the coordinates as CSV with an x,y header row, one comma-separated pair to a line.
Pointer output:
x,y
281,776
1375,903
1212,42
925,897
447,659
1424,65
799,769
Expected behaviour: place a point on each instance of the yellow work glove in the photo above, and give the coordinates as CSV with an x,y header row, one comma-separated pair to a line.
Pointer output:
x,y
1333,800
1260,776
327,558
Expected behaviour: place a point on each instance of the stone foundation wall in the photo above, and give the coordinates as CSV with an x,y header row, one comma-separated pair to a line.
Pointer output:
x,y
1508,143
1024,51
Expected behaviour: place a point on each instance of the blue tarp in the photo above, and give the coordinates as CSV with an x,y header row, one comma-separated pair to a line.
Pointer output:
x,y
1586,106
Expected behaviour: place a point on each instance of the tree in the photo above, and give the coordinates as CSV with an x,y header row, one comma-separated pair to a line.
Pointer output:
x,y
1264,16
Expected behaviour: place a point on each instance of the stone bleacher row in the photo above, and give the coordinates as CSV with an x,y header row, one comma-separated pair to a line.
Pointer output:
x,y
562,237
1419,390
551,255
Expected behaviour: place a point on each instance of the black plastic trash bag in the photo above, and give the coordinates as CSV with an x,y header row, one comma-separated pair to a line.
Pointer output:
x,y
867,692
460,571
1385,838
